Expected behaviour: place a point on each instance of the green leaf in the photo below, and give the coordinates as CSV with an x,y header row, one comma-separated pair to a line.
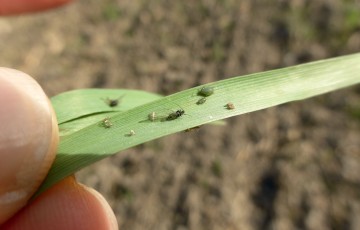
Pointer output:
x,y
77,103
93,141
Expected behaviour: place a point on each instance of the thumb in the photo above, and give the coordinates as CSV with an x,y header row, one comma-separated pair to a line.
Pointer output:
x,y
28,139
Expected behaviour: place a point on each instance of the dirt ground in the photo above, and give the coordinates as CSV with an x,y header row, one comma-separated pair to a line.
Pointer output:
x,y
295,166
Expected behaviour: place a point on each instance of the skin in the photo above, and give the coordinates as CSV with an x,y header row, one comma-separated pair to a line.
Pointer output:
x,y
14,7
28,141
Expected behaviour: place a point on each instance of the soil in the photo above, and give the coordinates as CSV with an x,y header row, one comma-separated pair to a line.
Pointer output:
x,y
294,166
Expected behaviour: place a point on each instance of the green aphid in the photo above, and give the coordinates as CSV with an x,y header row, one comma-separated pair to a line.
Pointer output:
x,y
201,101
206,91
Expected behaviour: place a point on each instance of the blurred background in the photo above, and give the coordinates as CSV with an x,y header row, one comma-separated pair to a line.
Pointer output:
x,y
294,166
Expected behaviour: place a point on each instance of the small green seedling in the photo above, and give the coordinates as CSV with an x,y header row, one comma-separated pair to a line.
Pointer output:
x,y
206,91
201,101
230,106
106,123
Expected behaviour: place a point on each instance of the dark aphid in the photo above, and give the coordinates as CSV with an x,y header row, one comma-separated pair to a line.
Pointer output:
x,y
113,102
175,115
201,101
106,123
230,106
206,91
192,129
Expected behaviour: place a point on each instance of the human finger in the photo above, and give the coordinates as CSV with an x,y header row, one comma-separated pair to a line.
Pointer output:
x,y
26,6
28,139
66,205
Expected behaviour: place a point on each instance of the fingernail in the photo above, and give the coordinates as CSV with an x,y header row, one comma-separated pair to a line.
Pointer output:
x,y
26,135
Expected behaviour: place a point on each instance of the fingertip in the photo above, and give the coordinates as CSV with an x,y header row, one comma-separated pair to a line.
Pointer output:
x,y
28,139
26,6
107,210
67,205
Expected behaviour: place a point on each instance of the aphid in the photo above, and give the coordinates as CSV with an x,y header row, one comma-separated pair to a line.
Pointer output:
x,y
113,102
175,115
132,133
192,129
152,116
106,123
230,106
201,101
206,91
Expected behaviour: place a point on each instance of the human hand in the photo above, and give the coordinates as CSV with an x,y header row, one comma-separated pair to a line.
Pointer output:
x,y
28,141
